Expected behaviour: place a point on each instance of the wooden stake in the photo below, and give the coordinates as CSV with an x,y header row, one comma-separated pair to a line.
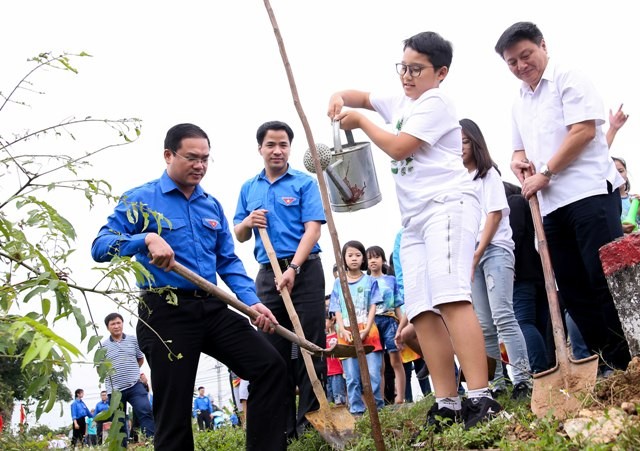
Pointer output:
x,y
362,360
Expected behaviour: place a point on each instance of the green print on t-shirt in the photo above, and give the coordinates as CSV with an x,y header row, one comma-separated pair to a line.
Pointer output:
x,y
401,167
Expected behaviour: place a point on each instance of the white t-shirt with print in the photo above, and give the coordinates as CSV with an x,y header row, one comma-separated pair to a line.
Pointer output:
x,y
435,170
490,190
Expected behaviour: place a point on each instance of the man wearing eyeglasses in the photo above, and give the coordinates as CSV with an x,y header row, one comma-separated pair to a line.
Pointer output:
x,y
173,219
557,133
287,203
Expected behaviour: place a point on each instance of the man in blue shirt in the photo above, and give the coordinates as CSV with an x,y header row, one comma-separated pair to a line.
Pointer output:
x,y
194,231
287,203
202,410
102,405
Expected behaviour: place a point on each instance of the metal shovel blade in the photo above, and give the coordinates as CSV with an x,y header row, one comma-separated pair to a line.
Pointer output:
x,y
345,351
335,425
554,391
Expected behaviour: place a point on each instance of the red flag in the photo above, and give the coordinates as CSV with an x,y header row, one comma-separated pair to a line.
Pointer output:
x,y
23,416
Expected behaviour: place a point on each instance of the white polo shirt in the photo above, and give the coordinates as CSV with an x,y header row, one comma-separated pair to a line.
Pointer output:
x,y
540,124
435,170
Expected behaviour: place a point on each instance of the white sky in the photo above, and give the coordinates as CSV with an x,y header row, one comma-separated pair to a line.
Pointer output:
x,y
217,64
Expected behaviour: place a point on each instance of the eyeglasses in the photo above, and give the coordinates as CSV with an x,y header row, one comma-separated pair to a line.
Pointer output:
x,y
414,69
192,160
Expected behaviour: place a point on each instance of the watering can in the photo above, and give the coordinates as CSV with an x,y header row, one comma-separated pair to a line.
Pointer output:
x,y
351,175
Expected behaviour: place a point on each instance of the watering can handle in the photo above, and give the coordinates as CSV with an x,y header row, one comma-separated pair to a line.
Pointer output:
x,y
337,144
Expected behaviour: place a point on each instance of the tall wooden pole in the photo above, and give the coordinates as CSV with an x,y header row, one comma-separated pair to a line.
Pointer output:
x,y
362,360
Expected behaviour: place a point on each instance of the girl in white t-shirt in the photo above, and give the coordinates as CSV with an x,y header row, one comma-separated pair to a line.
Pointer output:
x,y
440,217
493,263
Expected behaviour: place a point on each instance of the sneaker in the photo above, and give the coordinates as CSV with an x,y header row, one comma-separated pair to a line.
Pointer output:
x,y
442,418
475,410
423,373
521,391
498,391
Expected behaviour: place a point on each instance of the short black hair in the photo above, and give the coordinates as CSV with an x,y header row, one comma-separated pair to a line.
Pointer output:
x,y
111,316
356,245
78,391
519,31
435,47
177,133
273,125
200,388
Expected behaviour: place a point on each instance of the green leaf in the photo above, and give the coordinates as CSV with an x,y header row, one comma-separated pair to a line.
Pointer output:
x,y
46,306
94,340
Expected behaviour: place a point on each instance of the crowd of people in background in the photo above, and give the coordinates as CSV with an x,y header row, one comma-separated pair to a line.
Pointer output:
x,y
463,277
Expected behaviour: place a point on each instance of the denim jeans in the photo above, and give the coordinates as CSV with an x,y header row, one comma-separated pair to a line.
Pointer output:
x,y
492,294
532,312
138,397
579,348
354,383
336,389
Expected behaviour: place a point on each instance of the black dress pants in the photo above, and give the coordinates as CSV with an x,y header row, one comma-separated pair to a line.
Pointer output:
x,y
205,324
308,300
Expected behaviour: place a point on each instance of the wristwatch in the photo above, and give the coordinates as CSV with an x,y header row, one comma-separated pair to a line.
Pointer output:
x,y
295,267
544,170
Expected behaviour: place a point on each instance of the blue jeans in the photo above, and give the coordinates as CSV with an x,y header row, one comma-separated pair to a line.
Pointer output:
x,y
492,294
138,397
579,348
388,326
336,389
354,383
532,312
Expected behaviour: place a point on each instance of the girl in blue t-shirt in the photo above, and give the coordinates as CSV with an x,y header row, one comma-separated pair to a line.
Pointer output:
x,y
388,315
365,296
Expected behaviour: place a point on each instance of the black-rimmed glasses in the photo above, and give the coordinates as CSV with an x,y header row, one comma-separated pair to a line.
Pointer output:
x,y
414,69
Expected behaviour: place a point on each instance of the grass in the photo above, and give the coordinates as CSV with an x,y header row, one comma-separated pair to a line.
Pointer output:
x,y
403,429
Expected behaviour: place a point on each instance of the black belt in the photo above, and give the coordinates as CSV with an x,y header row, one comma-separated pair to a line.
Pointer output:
x,y
182,293
285,262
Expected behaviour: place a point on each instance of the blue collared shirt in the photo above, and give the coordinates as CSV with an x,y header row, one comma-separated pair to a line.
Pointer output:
x,y
101,407
195,228
202,403
291,200
79,409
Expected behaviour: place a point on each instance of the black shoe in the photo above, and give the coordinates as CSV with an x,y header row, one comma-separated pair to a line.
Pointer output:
x,y
498,391
475,410
442,418
423,373
521,391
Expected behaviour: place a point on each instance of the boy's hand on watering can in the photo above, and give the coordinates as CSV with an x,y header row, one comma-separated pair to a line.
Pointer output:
x,y
349,120
336,102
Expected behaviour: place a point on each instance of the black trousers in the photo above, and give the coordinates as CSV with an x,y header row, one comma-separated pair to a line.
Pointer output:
x,y
204,420
575,232
308,300
206,325
78,434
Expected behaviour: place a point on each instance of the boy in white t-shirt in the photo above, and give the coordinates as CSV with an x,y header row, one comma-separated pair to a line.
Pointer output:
x,y
440,215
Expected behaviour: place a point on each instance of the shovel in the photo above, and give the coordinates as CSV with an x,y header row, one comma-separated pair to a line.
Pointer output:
x,y
556,390
204,284
335,424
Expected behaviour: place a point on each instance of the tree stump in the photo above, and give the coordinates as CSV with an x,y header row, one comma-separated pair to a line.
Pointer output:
x,y
621,264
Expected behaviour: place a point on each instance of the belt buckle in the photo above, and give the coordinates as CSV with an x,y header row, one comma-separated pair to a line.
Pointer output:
x,y
284,263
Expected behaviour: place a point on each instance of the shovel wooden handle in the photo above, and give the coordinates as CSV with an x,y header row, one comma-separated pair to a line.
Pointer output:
x,y
225,297
297,327
559,337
